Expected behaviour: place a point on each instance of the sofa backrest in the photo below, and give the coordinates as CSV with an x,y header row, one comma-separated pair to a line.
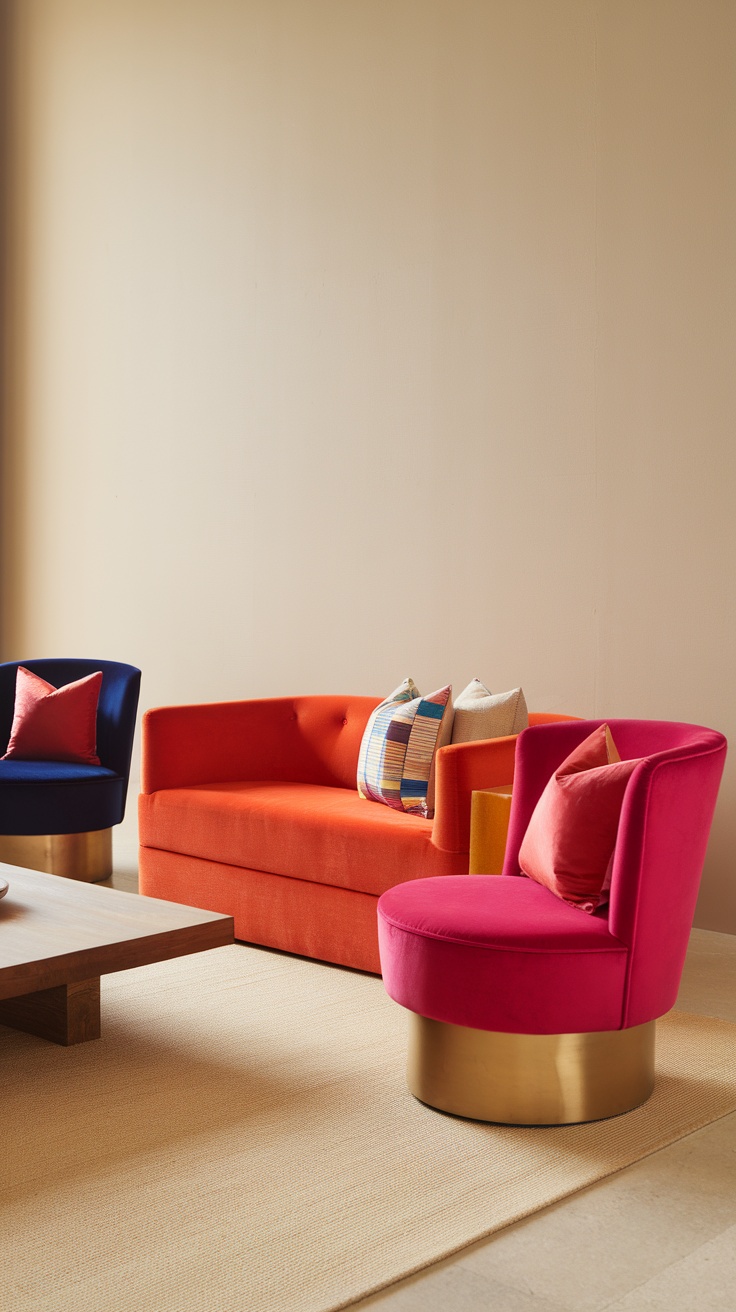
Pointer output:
x,y
322,737
314,740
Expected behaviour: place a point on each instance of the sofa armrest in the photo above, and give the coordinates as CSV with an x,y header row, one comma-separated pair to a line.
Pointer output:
x,y
463,767
209,743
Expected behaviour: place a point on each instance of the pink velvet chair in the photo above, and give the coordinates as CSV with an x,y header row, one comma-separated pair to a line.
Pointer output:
x,y
526,1010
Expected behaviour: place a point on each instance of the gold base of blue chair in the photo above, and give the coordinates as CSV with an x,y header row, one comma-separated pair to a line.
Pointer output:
x,y
87,857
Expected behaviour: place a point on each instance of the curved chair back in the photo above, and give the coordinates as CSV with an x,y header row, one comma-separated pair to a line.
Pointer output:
x,y
661,844
116,710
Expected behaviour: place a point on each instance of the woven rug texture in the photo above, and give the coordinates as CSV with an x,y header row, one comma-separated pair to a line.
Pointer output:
x,y
241,1138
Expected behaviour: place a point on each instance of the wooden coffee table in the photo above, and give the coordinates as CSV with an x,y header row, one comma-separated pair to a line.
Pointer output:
x,y
58,936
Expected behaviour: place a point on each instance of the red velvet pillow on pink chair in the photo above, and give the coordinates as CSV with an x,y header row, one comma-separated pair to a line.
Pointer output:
x,y
568,845
54,724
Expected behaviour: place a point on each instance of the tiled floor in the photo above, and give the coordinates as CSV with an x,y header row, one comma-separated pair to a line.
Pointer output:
x,y
657,1237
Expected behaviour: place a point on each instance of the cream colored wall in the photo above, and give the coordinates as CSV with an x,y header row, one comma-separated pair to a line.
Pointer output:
x,y
356,339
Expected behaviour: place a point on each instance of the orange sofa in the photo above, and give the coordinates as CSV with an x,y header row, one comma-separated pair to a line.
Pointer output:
x,y
251,808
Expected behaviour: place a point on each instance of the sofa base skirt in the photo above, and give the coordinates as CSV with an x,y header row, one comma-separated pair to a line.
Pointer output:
x,y
294,915
85,856
530,1079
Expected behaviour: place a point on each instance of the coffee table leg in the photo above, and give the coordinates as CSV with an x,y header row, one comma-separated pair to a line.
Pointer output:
x,y
68,1014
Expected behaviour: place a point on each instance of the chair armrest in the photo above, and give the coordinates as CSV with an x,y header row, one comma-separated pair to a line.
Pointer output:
x,y
463,767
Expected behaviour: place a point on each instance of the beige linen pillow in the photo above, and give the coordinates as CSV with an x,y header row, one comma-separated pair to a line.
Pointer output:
x,y
480,713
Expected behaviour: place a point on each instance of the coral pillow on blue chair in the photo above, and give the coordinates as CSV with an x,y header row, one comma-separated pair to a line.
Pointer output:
x,y
55,724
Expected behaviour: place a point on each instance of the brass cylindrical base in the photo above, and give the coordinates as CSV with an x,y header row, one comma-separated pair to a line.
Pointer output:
x,y
530,1079
87,857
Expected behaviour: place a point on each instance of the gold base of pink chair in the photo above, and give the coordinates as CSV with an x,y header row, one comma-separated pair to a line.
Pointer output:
x,y
530,1079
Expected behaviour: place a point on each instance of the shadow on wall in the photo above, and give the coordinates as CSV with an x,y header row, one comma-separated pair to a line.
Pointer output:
x,y
4,270
9,263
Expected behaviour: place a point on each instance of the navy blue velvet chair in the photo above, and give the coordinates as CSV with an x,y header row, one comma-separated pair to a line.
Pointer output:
x,y
56,815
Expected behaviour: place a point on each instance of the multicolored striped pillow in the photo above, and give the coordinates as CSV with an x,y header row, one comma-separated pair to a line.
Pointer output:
x,y
396,762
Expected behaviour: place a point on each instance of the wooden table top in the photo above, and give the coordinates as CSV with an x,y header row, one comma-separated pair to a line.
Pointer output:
x,y
57,931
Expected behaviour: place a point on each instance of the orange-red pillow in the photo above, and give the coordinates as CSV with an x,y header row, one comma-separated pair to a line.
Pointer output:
x,y
54,724
569,842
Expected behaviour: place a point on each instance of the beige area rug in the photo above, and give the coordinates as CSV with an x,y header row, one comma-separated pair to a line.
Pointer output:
x,y
241,1140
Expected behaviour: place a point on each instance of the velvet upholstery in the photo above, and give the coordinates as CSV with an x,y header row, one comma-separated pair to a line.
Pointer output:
x,y
41,797
499,953
252,808
503,953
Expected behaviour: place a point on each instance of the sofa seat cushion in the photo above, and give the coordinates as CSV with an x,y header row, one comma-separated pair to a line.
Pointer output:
x,y
305,831
500,953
